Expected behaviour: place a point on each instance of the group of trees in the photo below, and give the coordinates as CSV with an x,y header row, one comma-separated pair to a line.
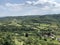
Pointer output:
x,y
34,27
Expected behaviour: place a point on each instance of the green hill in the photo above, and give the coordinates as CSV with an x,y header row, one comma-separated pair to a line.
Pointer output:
x,y
30,30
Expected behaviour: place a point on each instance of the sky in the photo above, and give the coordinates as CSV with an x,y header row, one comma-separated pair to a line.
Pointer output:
x,y
29,7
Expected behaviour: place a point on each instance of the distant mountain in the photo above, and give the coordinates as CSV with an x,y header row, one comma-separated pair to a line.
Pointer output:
x,y
33,19
31,23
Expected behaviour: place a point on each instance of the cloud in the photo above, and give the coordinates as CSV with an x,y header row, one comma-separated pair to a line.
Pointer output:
x,y
44,3
28,2
40,4
30,7
45,6
14,7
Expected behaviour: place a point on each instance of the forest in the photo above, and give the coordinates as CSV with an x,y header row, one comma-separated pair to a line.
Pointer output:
x,y
30,30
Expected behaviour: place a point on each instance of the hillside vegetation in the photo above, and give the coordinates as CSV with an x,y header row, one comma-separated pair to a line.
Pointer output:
x,y
30,30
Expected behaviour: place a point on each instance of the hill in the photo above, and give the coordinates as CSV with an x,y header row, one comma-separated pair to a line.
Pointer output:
x,y
30,30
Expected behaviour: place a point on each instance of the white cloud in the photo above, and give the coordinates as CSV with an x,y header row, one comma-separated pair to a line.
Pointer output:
x,y
14,7
31,7
39,2
44,3
46,8
28,2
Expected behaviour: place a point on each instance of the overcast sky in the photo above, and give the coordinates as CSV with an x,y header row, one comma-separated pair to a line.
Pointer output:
x,y
29,7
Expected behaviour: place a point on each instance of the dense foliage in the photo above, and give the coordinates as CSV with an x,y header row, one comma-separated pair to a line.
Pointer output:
x,y
30,30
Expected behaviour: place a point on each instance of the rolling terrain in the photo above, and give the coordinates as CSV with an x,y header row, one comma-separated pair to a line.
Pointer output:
x,y
30,30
